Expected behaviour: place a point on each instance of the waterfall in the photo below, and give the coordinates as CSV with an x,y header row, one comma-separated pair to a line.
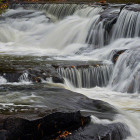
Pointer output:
x,y
24,77
105,24
87,77
127,25
83,31
126,73
89,49
95,27
88,11
57,11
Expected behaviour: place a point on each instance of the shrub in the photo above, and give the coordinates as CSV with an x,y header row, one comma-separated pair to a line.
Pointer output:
x,y
3,6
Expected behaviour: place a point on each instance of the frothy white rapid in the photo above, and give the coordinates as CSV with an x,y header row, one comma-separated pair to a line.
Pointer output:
x,y
33,30
81,36
128,106
33,34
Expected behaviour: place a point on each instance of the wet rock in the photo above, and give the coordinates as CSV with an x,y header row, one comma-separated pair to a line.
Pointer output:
x,y
25,68
11,77
116,55
57,80
133,7
77,64
19,14
109,17
33,74
94,131
55,100
38,74
49,127
68,126
110,13
4,134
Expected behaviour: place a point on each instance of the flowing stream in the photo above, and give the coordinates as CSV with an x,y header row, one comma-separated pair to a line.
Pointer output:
x,y
78,33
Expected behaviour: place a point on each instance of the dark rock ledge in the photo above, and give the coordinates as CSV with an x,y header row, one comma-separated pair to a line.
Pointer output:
x,y
36,69
66,116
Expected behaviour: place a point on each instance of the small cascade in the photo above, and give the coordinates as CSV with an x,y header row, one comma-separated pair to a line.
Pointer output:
x,y
2,80
96,33
126,73
88,11
110,24
58,11
87,77
24,77
127,25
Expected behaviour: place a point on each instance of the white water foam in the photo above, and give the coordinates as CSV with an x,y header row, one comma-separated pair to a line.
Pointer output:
x,y
128,106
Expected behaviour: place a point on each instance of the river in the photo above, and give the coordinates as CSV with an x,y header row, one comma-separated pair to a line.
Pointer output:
x,y
83,34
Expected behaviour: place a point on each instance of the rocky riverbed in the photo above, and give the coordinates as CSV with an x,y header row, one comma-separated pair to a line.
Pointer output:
x,y
66,71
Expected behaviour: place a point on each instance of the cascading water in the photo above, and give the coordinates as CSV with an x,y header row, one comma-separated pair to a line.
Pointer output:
x,y
58,11
127,25
78,32
87,77
126,75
